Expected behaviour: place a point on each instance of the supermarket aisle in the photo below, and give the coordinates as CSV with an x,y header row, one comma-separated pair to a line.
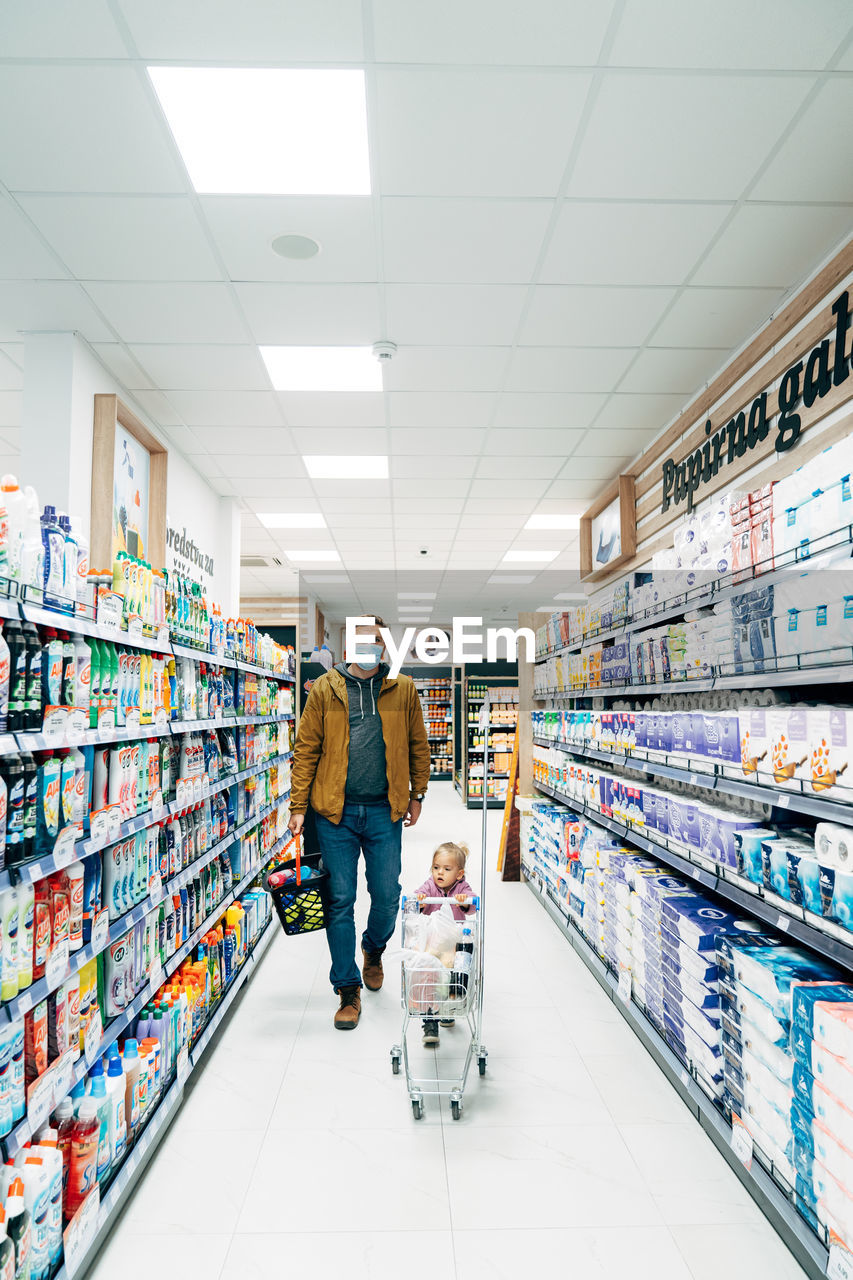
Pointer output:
x,y
296,1151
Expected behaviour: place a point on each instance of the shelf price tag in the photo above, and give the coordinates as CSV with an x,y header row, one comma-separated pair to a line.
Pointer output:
x,y
155,890
134,627
63,849
840,1263
183,1064
157,976
742,1142
63,1070
92,1039
40,1100
57,965
132,720
78,1236
163,637
100,932
156,805
624,987
783,922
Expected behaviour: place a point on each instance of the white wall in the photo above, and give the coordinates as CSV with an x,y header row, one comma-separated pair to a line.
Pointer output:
x,y
62,375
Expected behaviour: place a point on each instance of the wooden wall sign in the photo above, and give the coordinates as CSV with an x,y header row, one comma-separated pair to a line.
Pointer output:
x,y
804,382
608,531
129,473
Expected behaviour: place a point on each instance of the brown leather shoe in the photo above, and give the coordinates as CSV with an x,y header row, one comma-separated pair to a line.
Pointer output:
x,y
371,969
347,1016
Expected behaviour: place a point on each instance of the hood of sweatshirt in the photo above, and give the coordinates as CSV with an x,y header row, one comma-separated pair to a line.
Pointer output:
x,y
368,689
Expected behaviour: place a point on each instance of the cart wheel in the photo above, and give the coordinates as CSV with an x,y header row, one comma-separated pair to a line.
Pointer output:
x,y
417,1109
456,1109
395,1063
481,1063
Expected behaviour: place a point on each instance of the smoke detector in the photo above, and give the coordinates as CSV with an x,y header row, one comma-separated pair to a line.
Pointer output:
x,y
384,351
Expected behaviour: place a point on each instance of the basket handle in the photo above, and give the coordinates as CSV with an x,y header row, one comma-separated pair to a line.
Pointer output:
x,y
297,840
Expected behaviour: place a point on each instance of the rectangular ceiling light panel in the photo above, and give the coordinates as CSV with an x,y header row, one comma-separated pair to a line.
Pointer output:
x,y
347,369
268,131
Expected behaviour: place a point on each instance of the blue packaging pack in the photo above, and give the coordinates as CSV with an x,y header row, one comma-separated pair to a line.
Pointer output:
x,y
739,1007
696,921
770,972
805,996
748,852
700,965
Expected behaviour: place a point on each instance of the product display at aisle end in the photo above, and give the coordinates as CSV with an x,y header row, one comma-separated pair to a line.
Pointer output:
x,y
436,698
699,850
145,748
503,718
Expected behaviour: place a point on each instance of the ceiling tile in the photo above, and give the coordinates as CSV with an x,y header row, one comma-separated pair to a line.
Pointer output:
x,y
459,241
227,408
715,317
519,503
547,409
567,368
203,368
429,465
11,376
649,410
577,490
333,408
460,132
22,254
497,489
365,489
40,29
407,521
425,506
532,440
440,441
777,245
73,131
122,366
50,305
622,440
334,505
312,314
125,237
668,369
244,228
637,146
191,313
627,243
442,408
155,404
324,31
257,441
543,32
361,520
602,466
537,467
593,317
447,368
447,486
257,493
341,440
764,34
184,438
451,315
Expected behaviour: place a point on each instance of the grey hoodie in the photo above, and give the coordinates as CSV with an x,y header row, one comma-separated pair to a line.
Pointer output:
x,y
367,780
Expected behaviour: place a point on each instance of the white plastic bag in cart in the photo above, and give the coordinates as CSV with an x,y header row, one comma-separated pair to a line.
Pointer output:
x,y
427,980
415,930
443,935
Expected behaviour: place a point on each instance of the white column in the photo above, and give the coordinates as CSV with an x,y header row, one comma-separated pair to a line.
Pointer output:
x,y
56,440
227,557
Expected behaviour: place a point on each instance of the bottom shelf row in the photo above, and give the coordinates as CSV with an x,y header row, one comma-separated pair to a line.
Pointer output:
x,y
762,1030
74,1155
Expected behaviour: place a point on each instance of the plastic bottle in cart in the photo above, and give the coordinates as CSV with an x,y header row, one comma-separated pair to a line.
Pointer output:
x,y
463,962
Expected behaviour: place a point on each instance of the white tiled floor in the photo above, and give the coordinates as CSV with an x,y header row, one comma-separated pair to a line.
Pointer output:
x,y
296,1152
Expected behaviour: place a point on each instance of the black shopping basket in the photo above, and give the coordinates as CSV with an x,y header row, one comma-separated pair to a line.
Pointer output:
x,y
299,900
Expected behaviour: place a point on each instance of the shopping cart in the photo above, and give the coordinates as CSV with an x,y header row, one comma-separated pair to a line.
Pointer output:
x,y
430,990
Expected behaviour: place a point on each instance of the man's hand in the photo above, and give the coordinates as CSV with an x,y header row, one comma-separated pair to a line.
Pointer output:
x,y
296,823
412,813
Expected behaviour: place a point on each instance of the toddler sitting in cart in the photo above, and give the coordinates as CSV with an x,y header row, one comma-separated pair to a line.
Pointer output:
x,y
447,880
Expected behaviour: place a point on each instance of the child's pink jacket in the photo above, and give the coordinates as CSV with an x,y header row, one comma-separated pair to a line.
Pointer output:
x,y
431,890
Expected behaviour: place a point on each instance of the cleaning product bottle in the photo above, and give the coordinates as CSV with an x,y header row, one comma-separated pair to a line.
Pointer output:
x,y
53,539
26,896
18,1227
7,1250
82,672
47,1148
15,504
64,1119
99,1093
9,926
37,1188
131,1067
33,551
5,660
69,574
36,659
83,1163
68,669
116,1095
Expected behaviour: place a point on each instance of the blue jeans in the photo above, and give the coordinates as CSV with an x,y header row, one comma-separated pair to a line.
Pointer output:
x,y
363,828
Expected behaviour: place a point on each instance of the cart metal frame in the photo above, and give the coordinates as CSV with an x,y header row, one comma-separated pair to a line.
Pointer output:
x,y
453,1087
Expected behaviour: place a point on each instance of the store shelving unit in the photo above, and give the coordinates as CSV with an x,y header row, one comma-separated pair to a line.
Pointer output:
x,y
820,675
771,1198
436,697
503,699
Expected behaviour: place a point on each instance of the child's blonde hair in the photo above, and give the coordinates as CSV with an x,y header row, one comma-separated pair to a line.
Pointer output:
x,y
458,850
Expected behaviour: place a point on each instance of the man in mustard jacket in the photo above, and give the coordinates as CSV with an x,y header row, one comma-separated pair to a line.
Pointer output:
x,y
362,761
